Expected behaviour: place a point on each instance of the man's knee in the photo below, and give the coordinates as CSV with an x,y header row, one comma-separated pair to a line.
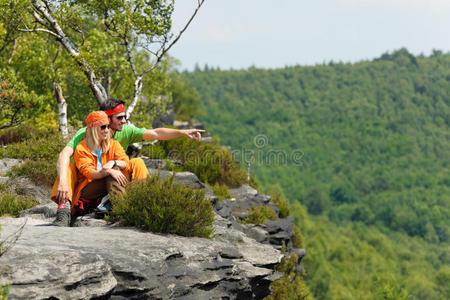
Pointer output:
x,y
138,169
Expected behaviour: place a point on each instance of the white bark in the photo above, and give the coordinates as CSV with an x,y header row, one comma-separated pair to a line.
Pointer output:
x,y
62,110
136,96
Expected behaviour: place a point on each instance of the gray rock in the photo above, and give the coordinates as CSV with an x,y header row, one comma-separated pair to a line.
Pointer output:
x,y
166,118
152,163
300,253
42,211
256,232
224,208
25,187
119,263
280,225
184,178
243,192
181,124
89,221
7,163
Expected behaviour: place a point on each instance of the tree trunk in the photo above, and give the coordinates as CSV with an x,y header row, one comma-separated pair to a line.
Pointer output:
x,y
137,94
62,110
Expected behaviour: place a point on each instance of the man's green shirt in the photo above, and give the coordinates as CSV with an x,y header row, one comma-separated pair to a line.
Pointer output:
x,y
128,135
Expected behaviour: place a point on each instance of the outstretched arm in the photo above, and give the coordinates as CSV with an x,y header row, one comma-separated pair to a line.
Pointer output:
x,y
62,167
169,133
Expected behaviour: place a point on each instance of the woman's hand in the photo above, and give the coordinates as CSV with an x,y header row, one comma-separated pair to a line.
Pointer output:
x,y
108,165
118,176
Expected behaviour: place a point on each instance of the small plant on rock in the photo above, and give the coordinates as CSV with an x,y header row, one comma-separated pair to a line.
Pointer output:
x,y
164,206
12,205
290,285
259,215
282,203
297,239
221,191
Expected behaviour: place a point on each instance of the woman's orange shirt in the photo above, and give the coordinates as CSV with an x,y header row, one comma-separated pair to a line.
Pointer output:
x,y
86,163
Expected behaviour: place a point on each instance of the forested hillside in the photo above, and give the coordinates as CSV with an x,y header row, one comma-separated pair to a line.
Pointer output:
x,y
365,146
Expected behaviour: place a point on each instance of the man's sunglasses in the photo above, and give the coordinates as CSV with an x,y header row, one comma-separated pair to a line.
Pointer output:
x,y
103,127
120,118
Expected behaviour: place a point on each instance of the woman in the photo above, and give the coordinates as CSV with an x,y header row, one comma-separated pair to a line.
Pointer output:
x,y
101,162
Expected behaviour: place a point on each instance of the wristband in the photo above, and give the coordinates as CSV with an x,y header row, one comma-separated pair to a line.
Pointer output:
x,y
115,164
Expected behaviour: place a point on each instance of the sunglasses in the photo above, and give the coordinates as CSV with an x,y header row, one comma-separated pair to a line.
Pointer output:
x,y
103,127
120,118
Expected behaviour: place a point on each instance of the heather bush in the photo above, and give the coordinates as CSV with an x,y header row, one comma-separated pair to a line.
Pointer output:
x,y
40,154
297,239
11,204
282,203
221,191
44,147
40,172
259,215
160,205
290,285
18,134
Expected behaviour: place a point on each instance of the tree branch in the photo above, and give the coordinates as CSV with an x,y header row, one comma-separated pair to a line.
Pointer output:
x,y
164,50
39,30
130,57
13,51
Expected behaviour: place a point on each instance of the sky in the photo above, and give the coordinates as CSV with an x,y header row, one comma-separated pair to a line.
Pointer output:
x,y
239,34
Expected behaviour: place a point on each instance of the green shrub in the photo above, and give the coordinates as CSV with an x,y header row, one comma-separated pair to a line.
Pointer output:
x,y
4,292
40,172
253,183
11,204
18,134
170,165
155,151
290,285
210,162
259,215
40,154
42,148
163,206
297,239
283,204
221,191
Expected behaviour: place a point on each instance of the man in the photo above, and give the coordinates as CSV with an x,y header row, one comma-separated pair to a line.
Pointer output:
x,y
125,135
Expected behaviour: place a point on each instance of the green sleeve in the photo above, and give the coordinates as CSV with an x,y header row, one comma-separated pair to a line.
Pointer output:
x,y
136,134
78,137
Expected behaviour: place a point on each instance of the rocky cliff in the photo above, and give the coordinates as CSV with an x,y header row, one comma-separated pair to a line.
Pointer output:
x,y
96,260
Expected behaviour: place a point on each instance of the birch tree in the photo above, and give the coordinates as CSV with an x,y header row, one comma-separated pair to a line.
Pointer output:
x,y
132,24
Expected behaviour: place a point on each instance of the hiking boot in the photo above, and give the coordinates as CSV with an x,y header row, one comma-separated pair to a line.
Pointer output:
x,y
63,217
